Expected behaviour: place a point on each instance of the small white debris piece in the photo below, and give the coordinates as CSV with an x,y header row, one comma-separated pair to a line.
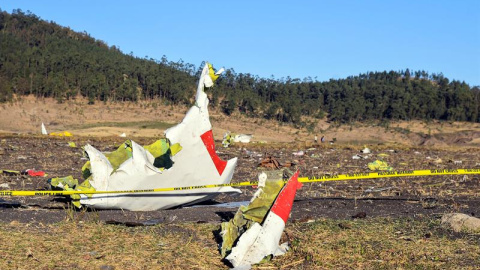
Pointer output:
x,y
123,135
44,130
243,138
298,154
4,185
261,179
366,151
373,189
220,71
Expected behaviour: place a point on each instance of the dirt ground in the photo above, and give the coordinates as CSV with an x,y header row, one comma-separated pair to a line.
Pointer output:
x,y
386,197
410,145
151,118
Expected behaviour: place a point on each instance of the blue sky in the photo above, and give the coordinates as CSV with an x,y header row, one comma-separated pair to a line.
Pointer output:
x,y
317,39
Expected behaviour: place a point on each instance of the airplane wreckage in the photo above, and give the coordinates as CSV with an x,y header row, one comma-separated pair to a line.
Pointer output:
x,y
185,157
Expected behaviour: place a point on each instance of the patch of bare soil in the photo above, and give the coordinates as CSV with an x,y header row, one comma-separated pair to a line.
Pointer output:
x,y
151,118
386,197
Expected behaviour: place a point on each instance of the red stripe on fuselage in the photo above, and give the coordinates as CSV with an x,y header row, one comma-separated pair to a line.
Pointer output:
x,y
207,139
284,202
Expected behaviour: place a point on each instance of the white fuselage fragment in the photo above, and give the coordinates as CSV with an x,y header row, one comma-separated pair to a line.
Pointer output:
x,y
261,240
195,165
243,138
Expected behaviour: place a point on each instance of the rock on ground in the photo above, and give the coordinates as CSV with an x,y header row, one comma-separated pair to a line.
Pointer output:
x,y
461,222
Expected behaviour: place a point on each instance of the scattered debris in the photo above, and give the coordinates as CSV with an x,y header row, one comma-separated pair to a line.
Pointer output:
x,y
298,153
456,162
270,162
243,138
61,134
29,172
251,154
4,185
229,138
66,183
372,189
379,165
44,130
255,231
9,172
185,157
366,151
123,135
461,222
438,161
33,173
72,144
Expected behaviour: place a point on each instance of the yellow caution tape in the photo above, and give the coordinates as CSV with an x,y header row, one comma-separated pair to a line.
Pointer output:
x,y
324,178
385,174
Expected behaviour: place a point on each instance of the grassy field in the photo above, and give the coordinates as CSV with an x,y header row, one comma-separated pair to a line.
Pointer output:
x,y
376,243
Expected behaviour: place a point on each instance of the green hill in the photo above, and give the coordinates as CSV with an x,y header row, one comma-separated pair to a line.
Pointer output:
x,y
48,60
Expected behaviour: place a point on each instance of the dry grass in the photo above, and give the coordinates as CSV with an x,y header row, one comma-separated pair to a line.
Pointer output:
x,y
379,243
151,118
383,244
93,245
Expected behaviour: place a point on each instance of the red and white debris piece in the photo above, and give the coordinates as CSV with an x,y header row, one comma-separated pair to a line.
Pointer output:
x,y
260,241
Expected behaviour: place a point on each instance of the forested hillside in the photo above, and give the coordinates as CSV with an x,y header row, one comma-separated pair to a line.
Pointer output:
x,y
47,60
